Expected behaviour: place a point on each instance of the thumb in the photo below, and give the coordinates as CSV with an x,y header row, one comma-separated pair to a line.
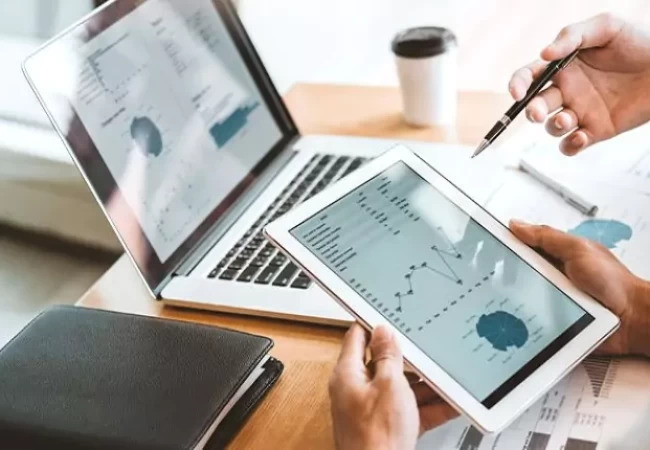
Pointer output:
x,y
385,354
554,243
435,414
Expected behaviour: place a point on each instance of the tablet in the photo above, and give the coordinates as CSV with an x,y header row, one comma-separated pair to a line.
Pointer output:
x,y
481,317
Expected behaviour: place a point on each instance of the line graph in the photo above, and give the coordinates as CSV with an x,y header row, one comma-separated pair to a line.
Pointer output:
x,y
425,267
451,248
462,296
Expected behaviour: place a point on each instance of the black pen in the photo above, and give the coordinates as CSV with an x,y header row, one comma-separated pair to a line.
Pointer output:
x,y
538,84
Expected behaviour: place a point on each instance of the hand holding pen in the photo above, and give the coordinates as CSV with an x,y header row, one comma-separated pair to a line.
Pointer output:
x,y
601,94
535,88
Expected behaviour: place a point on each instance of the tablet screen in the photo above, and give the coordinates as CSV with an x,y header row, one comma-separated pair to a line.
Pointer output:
x,y
464,298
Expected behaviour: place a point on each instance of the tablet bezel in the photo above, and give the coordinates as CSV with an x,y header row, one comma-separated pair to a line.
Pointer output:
x,y
505,411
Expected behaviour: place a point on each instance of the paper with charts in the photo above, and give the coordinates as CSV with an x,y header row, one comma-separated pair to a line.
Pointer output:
x,y
615,175
621,162
603,405
622,223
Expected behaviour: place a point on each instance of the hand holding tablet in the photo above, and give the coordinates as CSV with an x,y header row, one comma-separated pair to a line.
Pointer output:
x,y
397,244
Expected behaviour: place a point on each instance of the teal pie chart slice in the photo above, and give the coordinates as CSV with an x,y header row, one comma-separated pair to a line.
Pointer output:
x,y
502,330
147,136
604,231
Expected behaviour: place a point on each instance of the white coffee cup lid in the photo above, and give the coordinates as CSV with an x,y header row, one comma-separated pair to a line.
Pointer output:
x,y
423,42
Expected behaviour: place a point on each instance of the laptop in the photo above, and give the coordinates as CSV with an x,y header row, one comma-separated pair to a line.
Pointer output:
x,y
174,123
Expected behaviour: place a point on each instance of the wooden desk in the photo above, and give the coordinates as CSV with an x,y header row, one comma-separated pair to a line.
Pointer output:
x,y
296,413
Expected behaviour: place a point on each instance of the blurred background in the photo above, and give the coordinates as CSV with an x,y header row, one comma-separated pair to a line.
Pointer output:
x,y
54,242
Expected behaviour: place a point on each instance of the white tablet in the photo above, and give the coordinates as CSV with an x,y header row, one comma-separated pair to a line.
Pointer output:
x,y
481,317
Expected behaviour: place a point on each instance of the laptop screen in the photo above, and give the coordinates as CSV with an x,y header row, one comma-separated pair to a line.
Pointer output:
x,y
171,117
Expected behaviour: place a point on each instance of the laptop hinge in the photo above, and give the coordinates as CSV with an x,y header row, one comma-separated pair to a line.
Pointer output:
x,y
223,226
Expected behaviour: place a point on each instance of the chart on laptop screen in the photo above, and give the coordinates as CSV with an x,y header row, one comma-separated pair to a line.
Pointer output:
x,y
170,105
446,283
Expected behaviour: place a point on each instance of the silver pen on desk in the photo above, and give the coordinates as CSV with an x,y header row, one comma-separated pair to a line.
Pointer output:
x,y
569,196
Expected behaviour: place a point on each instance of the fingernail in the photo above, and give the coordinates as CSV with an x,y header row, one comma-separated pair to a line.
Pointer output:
x,y
382,333
550,47
518,223
576,141
513,91
543,53
558,123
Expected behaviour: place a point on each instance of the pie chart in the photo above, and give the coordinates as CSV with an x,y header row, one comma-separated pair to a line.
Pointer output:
x,y
146,136
606,232
502,330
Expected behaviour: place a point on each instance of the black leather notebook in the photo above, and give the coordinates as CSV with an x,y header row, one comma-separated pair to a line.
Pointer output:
x,y
78,378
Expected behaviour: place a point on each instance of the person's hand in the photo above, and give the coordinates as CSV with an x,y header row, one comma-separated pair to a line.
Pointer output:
x,y
599,273
602,93
373,405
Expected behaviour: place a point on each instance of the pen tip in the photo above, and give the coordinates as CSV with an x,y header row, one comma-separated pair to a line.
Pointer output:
x,y
483,145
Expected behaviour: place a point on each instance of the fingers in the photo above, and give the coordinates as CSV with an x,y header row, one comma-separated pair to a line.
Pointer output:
x,y
595,32
575,142
412,378
386,355
435,414
523,78
434,411
542,105
354,345
424,394
555,243
351,360
562,122
608,348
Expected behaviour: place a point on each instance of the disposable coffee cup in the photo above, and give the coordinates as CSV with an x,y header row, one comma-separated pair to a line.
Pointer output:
x,y
426,59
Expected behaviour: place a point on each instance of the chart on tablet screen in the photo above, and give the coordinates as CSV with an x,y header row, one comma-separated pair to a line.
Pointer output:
x,y
439,277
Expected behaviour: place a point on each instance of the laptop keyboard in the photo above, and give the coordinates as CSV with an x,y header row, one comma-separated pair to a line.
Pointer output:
x,y
253,259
